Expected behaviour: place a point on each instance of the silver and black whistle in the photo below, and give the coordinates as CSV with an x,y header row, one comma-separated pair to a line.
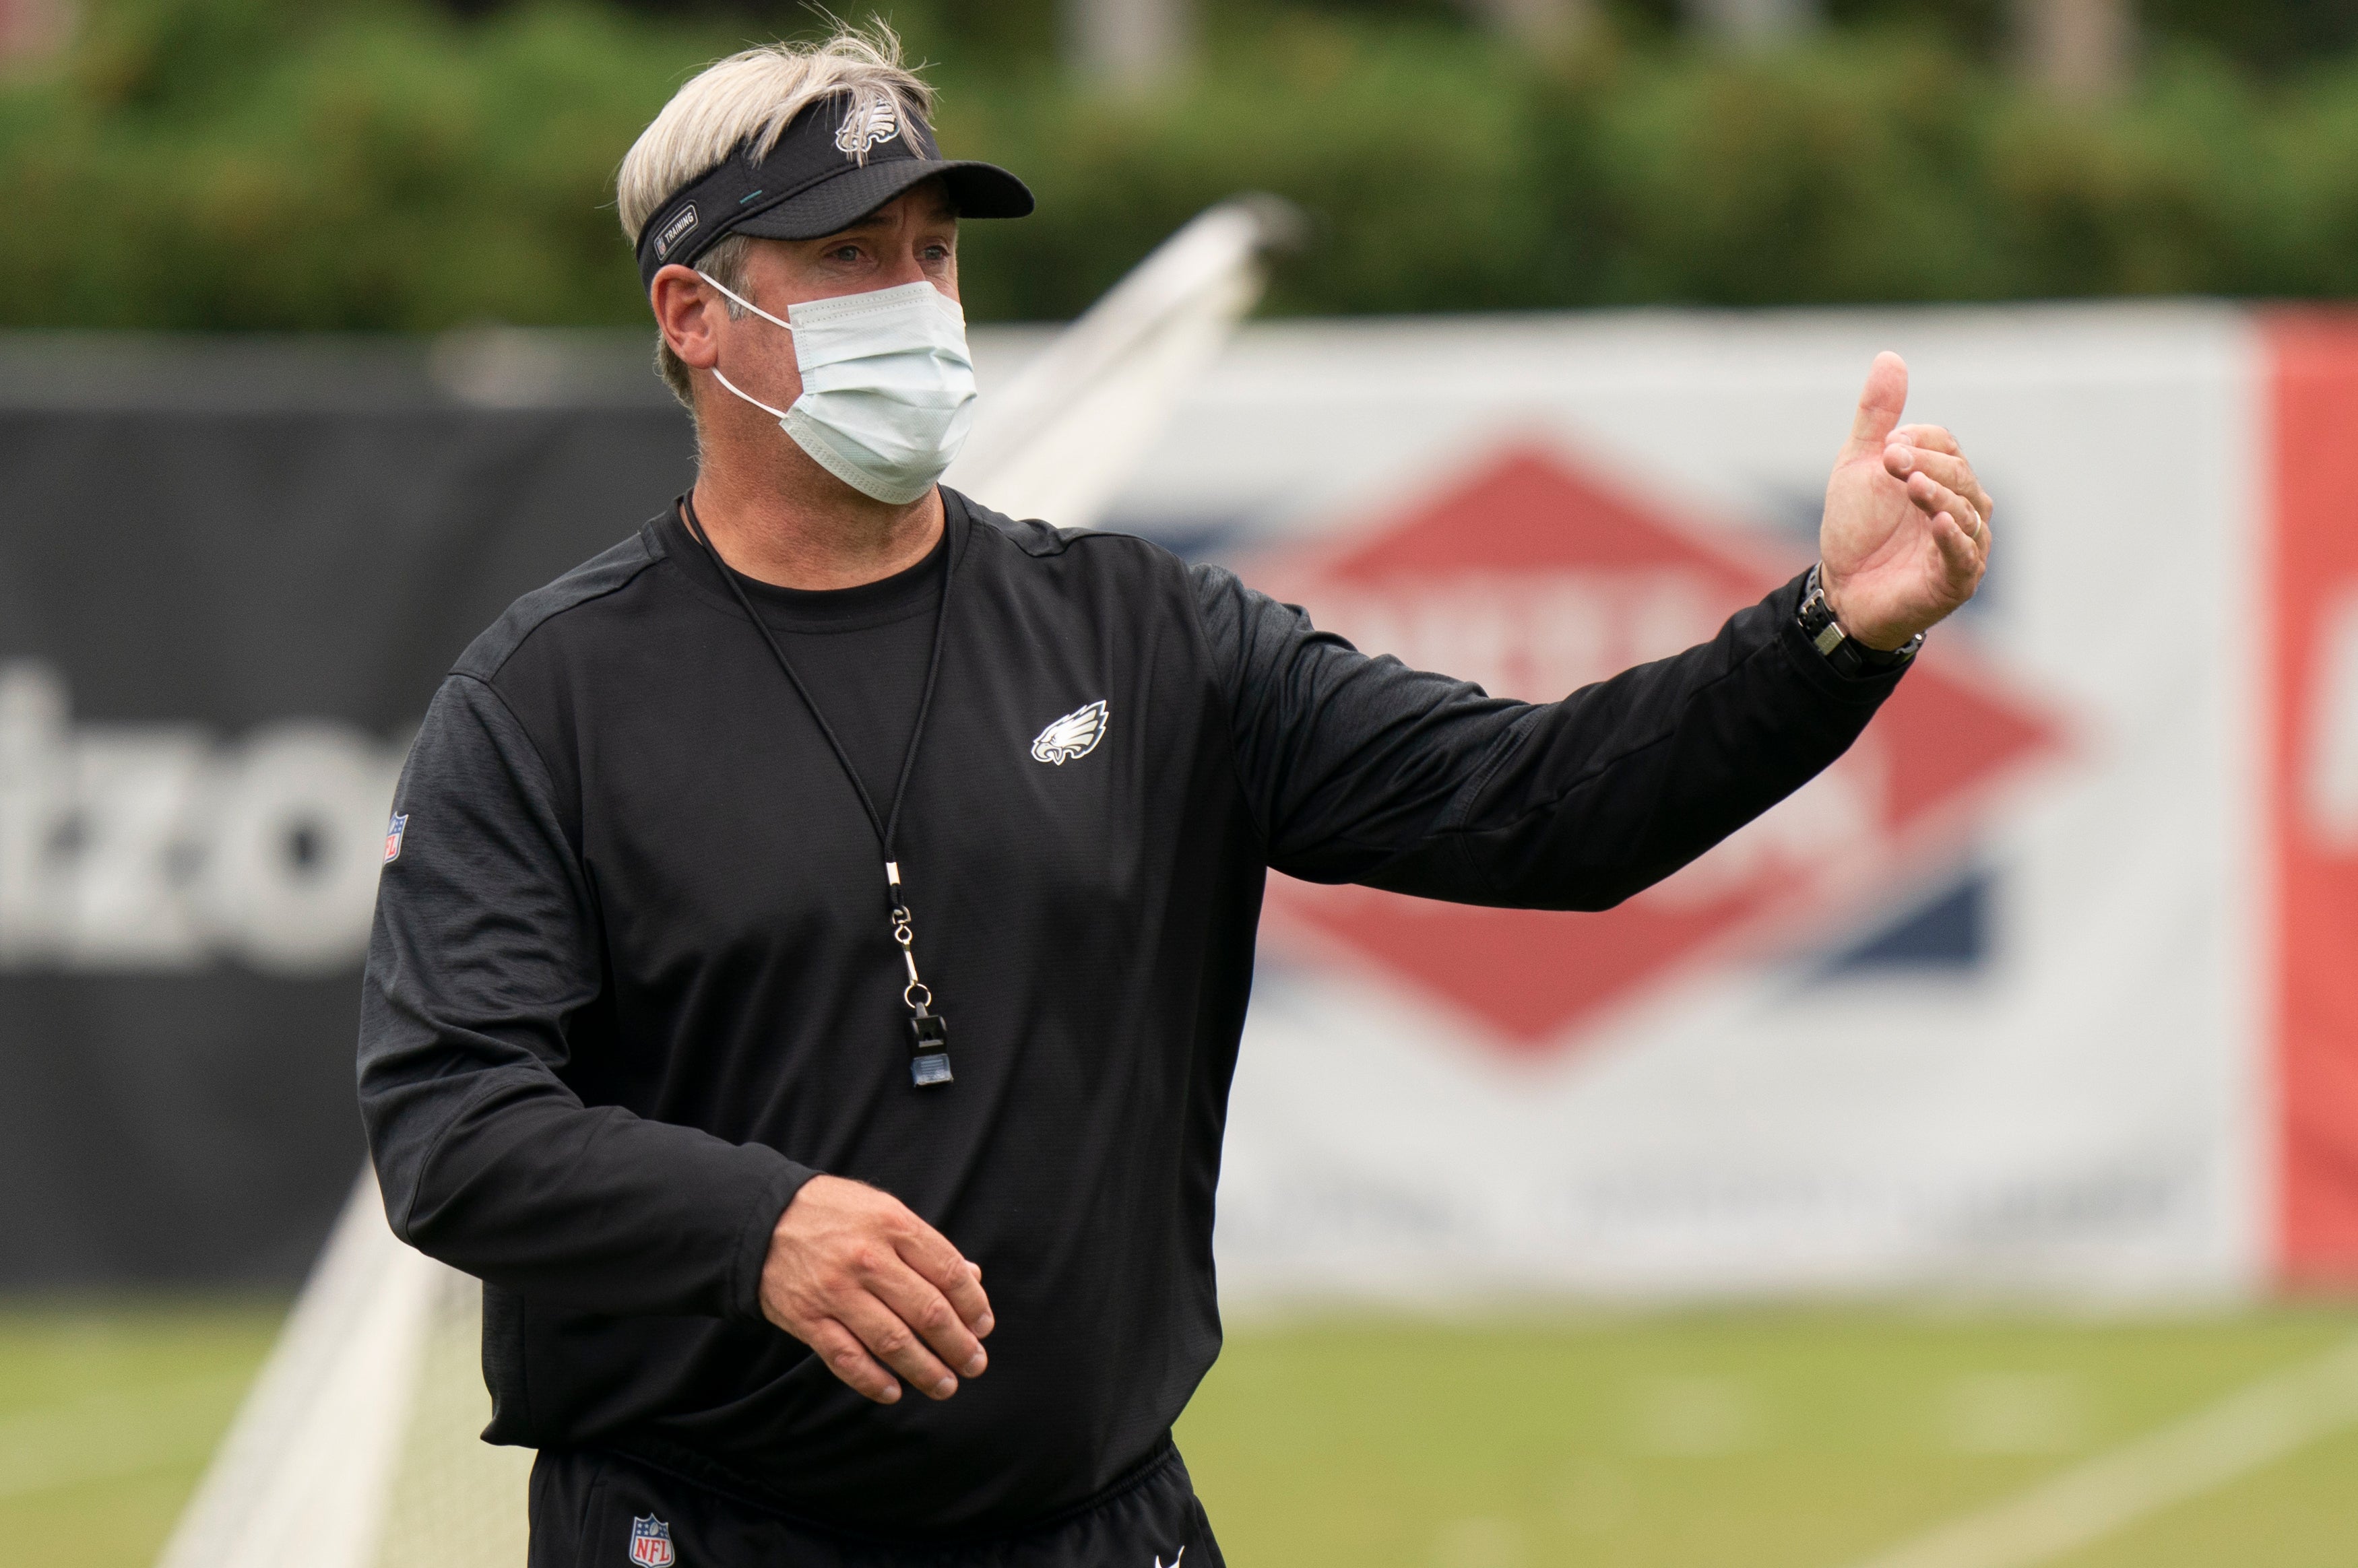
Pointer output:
x,y
929,1032
930,1036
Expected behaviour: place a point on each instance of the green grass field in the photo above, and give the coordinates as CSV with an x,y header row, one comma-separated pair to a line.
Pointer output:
x,y
1759,1439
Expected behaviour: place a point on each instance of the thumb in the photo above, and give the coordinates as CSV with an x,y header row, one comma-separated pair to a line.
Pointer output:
x,y
1879,405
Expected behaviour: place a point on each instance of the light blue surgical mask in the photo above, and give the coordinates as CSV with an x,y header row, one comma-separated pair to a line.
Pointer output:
x,y
888,388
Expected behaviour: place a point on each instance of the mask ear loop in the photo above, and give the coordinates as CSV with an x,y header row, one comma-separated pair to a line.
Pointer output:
x,y
764,315
748,304
777,414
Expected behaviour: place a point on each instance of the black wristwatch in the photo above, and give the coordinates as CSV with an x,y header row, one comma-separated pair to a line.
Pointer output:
x,y
1848,655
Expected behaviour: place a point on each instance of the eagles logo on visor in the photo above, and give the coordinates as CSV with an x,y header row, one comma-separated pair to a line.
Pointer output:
x,y
865,125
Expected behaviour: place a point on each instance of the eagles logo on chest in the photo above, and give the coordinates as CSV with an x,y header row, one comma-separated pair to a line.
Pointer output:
x,y
1073,736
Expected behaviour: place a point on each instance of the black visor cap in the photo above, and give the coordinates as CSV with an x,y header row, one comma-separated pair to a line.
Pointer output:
x,y
837,161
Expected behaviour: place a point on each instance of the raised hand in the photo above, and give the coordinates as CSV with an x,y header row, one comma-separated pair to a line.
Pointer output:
x,y
868,1285
1906,535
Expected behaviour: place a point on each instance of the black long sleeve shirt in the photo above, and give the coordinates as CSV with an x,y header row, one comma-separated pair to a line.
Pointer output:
x,y
632,980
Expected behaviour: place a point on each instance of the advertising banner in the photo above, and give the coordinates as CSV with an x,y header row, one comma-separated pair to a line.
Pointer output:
x,y
220,623
1979,1010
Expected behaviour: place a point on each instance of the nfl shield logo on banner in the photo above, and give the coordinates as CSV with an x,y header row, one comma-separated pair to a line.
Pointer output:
x,y
651,1543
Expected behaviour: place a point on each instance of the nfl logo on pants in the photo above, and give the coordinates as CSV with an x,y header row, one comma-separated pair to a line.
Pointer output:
x,y
651,1543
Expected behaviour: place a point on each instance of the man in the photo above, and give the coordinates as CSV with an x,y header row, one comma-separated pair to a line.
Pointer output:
x,y
819,928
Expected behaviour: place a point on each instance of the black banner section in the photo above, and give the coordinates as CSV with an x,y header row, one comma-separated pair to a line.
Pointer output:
x,y
229,578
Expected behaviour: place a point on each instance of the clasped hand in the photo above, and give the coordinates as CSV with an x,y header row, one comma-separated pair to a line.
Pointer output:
x,y
1906,531
869,1286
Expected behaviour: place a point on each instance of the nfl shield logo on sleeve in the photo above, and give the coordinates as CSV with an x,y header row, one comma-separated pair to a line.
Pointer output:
x,y
651,1543
392,831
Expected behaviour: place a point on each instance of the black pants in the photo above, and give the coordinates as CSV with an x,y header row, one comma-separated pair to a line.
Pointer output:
x,y
592,1509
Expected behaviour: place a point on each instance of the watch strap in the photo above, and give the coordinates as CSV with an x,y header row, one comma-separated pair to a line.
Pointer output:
x,y
1848,655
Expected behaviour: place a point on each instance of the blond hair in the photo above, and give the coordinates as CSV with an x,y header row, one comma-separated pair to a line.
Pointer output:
x,y
749,99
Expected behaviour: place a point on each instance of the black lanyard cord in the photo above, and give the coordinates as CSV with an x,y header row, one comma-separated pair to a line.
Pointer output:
x,y
887,827
929,1063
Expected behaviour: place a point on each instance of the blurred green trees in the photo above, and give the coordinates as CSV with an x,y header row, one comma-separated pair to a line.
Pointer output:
x,y
300,164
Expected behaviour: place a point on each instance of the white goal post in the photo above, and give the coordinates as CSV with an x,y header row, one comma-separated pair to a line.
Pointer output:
x,y
356,1447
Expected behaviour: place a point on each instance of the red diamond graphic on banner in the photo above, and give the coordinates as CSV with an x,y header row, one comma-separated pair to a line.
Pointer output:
x,y
1534,578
